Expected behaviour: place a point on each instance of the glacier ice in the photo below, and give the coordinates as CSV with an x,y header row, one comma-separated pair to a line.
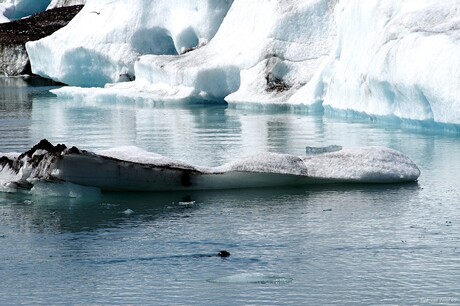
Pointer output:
x,y
390,58
102,43
264,50
132,169
261,53
397,58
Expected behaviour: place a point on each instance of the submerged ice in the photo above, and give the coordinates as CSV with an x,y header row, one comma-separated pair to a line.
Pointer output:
x,y
132,169
379,57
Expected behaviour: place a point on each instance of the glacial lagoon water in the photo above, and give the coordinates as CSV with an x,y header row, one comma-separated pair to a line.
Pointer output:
x,y
341,244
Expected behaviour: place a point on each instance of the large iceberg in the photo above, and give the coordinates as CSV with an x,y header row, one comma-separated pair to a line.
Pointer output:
x,y
132,169
263,52
102,43
392,58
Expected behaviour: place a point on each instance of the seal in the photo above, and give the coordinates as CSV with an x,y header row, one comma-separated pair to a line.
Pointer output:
x,y
223,254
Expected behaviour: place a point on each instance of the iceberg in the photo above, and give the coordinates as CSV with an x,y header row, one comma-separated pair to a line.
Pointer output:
x,y
385,58
132,169
102,43
263,51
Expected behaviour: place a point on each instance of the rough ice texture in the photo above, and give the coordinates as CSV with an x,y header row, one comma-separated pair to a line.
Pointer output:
x,y
105,39
13,59
397,58
392,58
370,164
132,169
263,51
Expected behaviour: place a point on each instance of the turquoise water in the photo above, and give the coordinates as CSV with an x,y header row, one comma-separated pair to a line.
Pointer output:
x,y
345,244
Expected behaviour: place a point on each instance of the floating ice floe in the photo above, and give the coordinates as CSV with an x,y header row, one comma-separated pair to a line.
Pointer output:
x,y
132,169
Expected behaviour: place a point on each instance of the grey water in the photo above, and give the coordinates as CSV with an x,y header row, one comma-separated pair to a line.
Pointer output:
x,y
336,245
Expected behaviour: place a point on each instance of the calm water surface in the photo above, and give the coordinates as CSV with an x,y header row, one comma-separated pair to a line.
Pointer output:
x,y
346,244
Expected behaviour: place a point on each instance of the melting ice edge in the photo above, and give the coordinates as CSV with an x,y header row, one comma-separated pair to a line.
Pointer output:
x,y
133,169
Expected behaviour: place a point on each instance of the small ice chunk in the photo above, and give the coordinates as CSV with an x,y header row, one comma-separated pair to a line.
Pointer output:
x,y
321,150
128,212
189,203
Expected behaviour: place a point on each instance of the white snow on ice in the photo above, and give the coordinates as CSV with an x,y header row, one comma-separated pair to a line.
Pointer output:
x,y
370,164
137,155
